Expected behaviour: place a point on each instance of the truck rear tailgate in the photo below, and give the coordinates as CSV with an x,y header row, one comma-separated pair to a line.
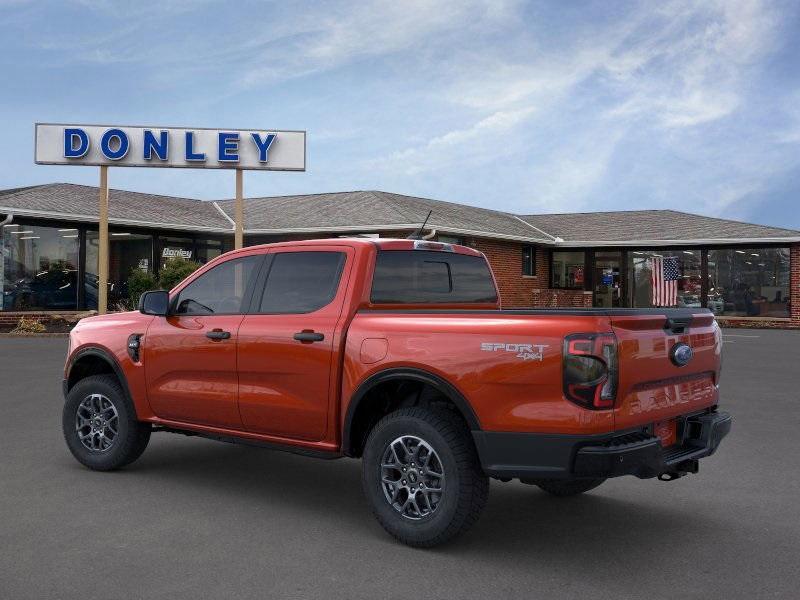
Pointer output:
x,y
653,387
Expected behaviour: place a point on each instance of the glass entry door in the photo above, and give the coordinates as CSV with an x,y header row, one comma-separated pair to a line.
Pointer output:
x,y
607,279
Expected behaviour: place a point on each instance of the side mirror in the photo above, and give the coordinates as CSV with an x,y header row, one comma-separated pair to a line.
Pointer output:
x,y
155,302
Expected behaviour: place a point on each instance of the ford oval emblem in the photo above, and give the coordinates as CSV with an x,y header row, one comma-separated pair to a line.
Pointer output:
x,y
681,354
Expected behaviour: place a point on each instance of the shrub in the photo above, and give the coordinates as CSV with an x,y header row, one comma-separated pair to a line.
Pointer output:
x,y
26,325
174,271
138,283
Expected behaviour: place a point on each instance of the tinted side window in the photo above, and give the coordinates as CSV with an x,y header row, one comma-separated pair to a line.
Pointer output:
x,y
301,282
220,290
422,277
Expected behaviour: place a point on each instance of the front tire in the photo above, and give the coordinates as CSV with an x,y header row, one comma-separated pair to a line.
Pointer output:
x,y
100,426
422,477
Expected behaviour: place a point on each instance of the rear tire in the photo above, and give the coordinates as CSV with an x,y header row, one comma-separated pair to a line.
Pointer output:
x,y
442,491
100,426
567,487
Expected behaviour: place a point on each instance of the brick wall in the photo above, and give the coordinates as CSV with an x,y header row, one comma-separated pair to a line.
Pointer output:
x,y
516,290
550,298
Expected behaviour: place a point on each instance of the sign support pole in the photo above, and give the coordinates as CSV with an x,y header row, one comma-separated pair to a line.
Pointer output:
x,y
239,232
102,256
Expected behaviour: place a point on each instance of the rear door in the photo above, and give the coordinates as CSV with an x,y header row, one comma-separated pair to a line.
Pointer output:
x,y
654,386
286,343
190,356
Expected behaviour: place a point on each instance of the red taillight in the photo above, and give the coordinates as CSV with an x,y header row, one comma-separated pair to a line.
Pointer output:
x,y
591,369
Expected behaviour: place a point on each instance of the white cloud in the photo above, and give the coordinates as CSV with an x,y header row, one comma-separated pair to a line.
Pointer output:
x,y
348,32
675,68
468,146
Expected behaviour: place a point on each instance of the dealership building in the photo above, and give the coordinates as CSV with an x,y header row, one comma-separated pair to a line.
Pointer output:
x,y
747,274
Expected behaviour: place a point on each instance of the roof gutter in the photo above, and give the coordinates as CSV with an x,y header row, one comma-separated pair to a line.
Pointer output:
x,y
398,227
686,242
113,221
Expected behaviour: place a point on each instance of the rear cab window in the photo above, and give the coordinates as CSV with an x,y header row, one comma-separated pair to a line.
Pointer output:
x,y
431,277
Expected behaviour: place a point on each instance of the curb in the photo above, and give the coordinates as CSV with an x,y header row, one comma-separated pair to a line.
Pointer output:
x,y
34,335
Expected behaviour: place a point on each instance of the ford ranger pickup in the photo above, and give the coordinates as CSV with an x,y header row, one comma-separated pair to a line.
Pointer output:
x,y
398,352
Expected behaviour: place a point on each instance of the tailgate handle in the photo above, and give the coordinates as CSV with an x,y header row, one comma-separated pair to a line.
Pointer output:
x,y
677,324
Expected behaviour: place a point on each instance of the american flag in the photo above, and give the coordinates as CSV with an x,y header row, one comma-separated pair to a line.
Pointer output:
x,y
664,276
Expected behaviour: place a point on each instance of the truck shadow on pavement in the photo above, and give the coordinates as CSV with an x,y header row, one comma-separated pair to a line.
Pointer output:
x,y
518,516
520,523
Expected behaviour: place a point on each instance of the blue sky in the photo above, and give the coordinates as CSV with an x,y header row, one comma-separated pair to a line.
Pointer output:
x,y
521,106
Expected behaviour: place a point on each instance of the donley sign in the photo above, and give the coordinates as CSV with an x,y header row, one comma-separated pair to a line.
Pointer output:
x,y
192,148
188,148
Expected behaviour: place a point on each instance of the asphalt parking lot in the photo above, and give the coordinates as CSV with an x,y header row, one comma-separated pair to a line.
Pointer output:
x,y
201,519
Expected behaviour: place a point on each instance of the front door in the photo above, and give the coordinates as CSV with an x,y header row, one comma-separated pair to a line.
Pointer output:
x,y
286,344
607,279
190,356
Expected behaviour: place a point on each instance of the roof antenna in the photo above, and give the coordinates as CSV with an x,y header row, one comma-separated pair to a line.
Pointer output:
x,y
417,235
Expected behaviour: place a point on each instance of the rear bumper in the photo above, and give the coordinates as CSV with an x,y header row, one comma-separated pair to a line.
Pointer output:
x,y
639,453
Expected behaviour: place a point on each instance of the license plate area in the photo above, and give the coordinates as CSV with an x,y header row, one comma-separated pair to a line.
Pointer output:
x,y
667,431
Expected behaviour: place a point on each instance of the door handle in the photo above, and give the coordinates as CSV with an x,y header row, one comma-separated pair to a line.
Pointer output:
x,y
218,334
309,336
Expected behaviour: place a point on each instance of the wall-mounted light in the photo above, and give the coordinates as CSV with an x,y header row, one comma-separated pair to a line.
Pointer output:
x,y
30,237
68,230
21,232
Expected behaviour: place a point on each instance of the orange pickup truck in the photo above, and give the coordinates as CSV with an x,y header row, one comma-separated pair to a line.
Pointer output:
x,y
398,352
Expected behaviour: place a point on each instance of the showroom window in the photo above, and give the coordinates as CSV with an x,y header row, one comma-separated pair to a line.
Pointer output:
x,y
176,247
128,252
749,282
208,250
39,268
529,261
567,270
670,278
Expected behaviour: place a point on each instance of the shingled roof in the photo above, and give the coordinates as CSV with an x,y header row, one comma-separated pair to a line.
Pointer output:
x,y
645,226
73,202
377,211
